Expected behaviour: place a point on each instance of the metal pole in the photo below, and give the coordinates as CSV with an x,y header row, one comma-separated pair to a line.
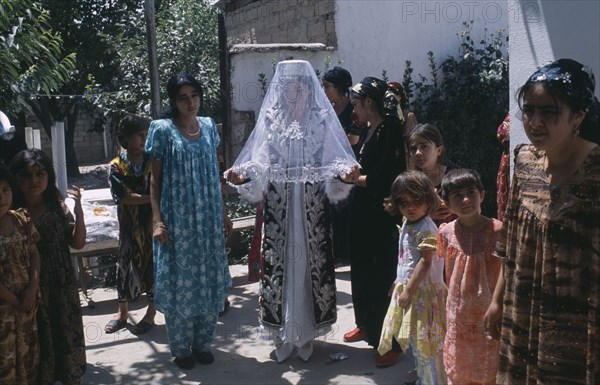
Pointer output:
x,y
225,91
152,59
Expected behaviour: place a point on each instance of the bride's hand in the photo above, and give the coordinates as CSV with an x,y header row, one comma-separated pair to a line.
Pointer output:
x,y
234,178
351,176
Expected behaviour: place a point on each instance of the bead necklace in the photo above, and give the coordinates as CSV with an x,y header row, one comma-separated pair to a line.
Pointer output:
x,y
192,133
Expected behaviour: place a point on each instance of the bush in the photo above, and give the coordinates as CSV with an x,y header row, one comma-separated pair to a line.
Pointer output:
x,y
237,208
466,97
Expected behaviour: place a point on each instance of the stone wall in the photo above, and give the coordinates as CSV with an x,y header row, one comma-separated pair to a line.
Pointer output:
x,y
277,21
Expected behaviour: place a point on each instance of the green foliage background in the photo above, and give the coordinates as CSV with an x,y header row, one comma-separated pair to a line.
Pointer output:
x,y
187,40
31,55
466,97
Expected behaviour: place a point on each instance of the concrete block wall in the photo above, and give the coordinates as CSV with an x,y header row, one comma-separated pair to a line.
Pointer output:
x,y
277,21
246,63
89,146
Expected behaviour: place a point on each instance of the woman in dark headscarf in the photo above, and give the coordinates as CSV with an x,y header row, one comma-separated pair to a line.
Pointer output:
x,y
374,235
336,83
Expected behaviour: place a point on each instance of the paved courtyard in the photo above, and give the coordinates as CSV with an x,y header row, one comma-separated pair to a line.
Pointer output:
x,y
242,352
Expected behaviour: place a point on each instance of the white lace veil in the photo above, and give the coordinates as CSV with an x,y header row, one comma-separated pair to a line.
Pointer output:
x,y
297,137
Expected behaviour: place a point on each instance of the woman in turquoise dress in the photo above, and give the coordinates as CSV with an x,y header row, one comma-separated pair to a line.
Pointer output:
x,y
190,264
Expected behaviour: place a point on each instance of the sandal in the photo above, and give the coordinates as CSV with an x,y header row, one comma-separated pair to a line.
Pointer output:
x,y
203,356
226,306
185,362
142,327
114,325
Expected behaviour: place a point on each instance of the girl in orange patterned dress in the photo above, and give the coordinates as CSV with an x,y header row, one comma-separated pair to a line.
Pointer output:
x,y
466,244
19,280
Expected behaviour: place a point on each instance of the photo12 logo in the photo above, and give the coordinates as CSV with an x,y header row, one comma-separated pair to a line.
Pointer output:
x,y
456,12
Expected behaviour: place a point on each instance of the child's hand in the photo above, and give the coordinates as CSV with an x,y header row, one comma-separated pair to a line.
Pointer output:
x,y
441,212
28,299
75,193
492,321
13,300
405,299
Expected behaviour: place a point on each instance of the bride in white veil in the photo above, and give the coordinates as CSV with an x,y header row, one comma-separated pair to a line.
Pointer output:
x,y
298,160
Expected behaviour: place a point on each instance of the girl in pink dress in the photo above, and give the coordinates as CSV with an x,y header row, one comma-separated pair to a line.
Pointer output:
x,y
466,244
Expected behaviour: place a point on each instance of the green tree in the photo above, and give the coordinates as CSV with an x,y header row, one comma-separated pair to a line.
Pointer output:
x,y
187,40
80,24
31,56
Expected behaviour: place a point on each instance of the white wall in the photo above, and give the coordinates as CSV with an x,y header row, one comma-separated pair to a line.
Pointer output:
x,y
383,34
247,65
378,35
543,31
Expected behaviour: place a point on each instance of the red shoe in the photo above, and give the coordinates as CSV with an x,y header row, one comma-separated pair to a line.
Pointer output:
x,y
355,335
388,359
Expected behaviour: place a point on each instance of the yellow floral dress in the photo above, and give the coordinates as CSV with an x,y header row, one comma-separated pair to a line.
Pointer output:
x,y
423,325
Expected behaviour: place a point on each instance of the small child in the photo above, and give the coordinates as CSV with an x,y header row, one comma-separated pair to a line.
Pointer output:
x,y
59,319
19,280
416,316
467,244
129,179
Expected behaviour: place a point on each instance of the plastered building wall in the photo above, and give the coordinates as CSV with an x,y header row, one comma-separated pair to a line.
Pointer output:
x,y
543,31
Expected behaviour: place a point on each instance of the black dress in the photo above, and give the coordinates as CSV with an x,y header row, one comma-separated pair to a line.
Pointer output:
x,y
374,234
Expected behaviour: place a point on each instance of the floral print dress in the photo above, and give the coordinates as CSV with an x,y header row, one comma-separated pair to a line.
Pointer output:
x,y
423,325
134,264
19,345
191,270
60,323
471,273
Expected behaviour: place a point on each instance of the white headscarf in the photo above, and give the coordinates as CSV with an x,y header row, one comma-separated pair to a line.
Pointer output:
x,y
297,137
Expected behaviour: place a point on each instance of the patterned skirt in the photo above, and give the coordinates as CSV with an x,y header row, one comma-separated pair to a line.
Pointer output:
x,y
424,321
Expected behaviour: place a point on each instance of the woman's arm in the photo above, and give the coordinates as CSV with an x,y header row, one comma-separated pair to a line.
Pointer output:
x,y
135,199
159,229
419,274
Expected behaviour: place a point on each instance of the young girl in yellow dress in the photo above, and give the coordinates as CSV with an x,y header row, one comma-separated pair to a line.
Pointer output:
x,y
416,316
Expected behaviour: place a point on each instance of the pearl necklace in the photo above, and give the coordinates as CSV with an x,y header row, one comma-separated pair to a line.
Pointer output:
x,y
192,133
